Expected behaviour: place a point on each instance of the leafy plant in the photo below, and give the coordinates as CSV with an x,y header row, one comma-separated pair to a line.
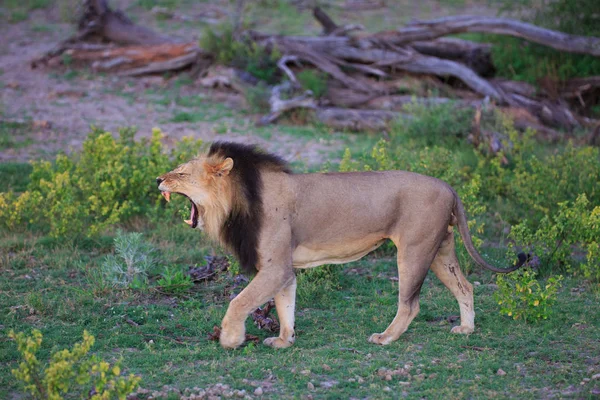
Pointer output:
x,y
242,54
257,97
540,184
576,225
315,81
130,265
69,372
521,60
521,296
174,281
85,194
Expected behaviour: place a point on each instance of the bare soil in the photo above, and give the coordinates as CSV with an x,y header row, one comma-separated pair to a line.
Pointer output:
x,y
62,104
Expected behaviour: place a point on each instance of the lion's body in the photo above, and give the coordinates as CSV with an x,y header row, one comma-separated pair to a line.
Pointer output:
x,y
307,220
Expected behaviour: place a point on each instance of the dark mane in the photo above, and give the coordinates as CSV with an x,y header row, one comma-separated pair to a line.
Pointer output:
x,y
241,228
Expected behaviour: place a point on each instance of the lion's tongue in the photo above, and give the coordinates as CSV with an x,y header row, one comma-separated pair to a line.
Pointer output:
x,y
190,221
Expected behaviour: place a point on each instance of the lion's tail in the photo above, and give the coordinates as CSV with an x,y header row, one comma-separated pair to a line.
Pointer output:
x,y
463,229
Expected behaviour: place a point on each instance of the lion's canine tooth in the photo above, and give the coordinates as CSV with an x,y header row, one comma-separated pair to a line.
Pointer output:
x,y
166,195
188,221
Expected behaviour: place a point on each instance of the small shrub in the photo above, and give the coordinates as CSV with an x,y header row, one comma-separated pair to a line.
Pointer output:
x,y
521,296
110,181
242,54
315,81
257,97
71,373
442,125
575,227
174,281
130,265
521,60
540,184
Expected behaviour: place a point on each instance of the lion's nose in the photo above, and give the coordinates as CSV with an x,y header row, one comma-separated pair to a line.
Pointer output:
x,y
159,180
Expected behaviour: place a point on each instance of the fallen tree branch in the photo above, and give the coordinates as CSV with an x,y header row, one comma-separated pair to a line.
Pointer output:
x,y
279,106
116,27
432,29
357,120
132,49
282,64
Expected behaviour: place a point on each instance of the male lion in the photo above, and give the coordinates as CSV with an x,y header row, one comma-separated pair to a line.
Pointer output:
x,y
275,221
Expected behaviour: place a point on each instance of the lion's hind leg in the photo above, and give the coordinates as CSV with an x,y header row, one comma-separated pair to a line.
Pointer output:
x,y
285,303
412,269
446,268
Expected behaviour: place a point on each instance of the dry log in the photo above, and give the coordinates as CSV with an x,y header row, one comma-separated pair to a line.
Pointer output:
x,y
279,106
113,25
130,60
477,56
357,120
318,59
326,22
144,51
398,102
521,88
432,29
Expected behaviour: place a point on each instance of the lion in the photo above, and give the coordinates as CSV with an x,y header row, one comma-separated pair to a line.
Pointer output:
x,y
274,221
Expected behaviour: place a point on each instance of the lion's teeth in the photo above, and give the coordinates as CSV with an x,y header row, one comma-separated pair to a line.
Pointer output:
x,y
188,221
166,195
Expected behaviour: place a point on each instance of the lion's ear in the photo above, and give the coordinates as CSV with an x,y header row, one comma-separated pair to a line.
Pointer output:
x,y
223,168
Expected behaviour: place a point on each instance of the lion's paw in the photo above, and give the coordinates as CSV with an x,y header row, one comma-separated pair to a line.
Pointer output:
x,y
277,342
231,341
381,338
462,329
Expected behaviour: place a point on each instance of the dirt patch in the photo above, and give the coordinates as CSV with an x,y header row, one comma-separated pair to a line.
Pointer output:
x,y
63,104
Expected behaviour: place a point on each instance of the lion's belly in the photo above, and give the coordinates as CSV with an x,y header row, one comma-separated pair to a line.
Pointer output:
x,y
313,255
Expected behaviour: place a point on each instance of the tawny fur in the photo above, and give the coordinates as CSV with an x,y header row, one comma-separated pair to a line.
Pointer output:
x,y
307,220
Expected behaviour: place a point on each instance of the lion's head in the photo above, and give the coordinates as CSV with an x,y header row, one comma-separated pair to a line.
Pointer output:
x,y
205,182
224,188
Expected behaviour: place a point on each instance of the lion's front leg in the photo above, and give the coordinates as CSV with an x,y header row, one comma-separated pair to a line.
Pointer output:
x,y
285,302
263,287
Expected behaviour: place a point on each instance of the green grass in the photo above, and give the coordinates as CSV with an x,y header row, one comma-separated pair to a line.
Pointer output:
x,y
53,285
46,285
13,135
520,60
18,11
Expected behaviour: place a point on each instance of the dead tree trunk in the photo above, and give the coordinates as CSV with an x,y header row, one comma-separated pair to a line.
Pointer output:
x,y
107,40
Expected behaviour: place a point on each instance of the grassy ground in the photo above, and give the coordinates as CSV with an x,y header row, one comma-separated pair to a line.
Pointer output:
x,y
47,285
53,284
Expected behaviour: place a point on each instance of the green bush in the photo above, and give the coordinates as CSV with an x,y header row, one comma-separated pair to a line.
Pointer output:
x,y
174,281
243,54
71,373
574,227
257,97
315,81
540,184
521,296
520,60
130,264
109,182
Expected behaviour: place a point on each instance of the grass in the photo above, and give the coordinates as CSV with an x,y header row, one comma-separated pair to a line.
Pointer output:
x,y
53,285
18,11
14,135
46,285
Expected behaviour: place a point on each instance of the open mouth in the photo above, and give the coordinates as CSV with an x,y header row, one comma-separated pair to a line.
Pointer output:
x,y
193,221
